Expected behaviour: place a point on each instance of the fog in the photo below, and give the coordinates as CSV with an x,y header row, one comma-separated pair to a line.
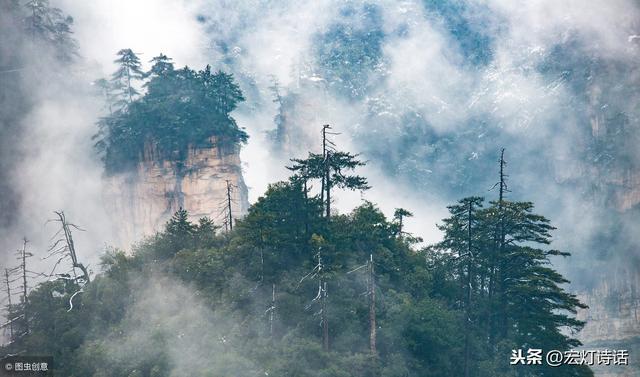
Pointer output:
x,y
427,66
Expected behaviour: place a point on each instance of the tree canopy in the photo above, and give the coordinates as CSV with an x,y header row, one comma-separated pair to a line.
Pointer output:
x,y
246,302
180,109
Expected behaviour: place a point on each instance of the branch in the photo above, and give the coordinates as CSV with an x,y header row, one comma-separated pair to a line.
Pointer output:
x,y
71,299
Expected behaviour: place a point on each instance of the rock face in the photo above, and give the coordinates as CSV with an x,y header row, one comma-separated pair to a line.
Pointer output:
x,y
614,309
613,316
141,201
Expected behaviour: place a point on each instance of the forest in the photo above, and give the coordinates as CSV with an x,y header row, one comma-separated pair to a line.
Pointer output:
x,y
295,287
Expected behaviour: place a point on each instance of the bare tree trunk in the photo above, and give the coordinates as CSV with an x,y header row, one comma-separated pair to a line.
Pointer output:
x,y
325,322
503,305
24,285
229,205
273,309
6,275
328,186
467,305
372,308
70,245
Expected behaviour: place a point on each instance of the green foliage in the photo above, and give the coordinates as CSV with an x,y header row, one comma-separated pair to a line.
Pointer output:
x,y
52,28
315,166
181,109
189,301
497,264
122,80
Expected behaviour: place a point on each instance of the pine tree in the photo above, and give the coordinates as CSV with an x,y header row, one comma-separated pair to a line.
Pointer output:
x,y
48,24
129,70
331,170
179,232
533,307
399,215
462,239
161,66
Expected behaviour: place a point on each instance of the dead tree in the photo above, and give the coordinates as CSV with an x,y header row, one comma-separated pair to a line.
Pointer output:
x,y
272,312
230,187
371,294
503,189
23,255
18,314
495,285
321,297
64,248
272,309
328,147
10,305
471,206
324,318
324,159
372,308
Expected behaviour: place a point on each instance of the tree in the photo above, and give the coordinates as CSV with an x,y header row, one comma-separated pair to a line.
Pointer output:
x,y
533,308
399,215
129,70
331,170
181,109
179,230
161,77
460,236
279,226
49,25
106,91
426,313
161,66
64,248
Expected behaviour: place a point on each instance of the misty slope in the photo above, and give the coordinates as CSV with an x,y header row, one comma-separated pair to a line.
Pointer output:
x,y
190,302
429,91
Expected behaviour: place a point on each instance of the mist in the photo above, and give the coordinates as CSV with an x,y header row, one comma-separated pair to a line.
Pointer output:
x,y
478,75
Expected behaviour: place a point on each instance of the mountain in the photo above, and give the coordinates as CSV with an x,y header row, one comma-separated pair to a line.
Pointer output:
x,y
143,200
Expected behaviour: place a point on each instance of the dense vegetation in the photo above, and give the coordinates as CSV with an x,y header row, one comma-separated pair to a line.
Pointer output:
x,y
192,301
180,108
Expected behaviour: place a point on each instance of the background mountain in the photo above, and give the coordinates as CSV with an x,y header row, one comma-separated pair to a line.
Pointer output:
x,y
427,91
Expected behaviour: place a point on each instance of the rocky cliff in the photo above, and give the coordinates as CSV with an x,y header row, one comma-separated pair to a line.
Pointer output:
x,y
141,201
614,308
613,316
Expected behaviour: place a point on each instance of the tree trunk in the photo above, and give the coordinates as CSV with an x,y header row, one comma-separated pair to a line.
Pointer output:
x,y
372,308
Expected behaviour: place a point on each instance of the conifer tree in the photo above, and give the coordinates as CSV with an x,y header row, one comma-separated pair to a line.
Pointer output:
x,y
532,305
331,169
129,70
48,24
399,215
161,66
